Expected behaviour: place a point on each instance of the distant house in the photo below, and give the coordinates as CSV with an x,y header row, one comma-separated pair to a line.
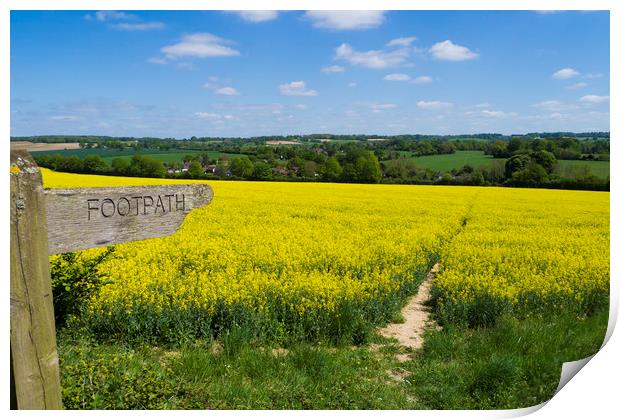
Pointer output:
x,y
280,171
210,169
185,166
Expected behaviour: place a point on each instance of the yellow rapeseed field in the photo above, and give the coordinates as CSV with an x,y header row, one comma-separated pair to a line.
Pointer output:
x,y
529,248
314,257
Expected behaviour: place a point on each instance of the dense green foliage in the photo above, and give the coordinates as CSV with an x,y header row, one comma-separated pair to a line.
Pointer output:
x,y
74,280
534,160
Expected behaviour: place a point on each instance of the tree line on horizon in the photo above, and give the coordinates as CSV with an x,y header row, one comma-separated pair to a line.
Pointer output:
x,y
524,162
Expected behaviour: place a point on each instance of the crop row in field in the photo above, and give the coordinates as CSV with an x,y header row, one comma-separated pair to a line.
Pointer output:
x,y
330,260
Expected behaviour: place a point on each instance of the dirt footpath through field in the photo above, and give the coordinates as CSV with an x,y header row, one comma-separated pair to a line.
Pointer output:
x,y
416,314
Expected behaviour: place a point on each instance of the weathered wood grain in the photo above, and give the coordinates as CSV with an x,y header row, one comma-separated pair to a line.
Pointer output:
x,y
34,359
81,218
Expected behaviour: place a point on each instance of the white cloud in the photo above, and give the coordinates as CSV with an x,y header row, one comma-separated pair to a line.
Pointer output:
x,y
578,85
256,16
553,106
228,91
332,69
345,19
448,51
434,105
105,15
213,117
63,118
352,84
493,114
420,80
593,76
401,42
199,45
593,99
565,73
297,88
145,26
374,59
301,106
157,60
488,113
382,107
207,115
397,77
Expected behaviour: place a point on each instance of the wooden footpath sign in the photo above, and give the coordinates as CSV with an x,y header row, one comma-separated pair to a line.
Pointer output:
x,y
45,222
90,217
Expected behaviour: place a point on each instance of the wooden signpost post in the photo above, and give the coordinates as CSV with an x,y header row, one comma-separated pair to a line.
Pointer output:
x,y
45,222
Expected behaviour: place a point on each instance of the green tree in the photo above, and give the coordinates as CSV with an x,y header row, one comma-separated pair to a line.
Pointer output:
x,y
545,159
349,172
120,166
516,163
309,169
533,174
71,164
146,166
295,164
477,177
195,170
94,164
396,169
498,149
515,144
262,171
368,168
204,159
241,167
333,170
222,167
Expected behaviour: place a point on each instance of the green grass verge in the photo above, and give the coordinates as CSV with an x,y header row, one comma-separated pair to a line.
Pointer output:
x,y
515,364
228,374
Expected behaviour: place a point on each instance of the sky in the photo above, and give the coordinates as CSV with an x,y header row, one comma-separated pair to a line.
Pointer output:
x,y
259,73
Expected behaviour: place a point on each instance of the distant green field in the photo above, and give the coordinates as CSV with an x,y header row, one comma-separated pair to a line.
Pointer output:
x,y
111,152
455,160
597,168
477,158
108,155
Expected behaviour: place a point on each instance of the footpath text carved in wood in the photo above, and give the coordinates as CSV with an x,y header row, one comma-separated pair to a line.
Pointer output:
x,y
80,218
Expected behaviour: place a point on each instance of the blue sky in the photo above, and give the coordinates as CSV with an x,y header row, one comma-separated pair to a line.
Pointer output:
x,y
182,74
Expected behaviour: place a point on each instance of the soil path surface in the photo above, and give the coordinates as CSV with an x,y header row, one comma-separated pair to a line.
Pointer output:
x,y
416,315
